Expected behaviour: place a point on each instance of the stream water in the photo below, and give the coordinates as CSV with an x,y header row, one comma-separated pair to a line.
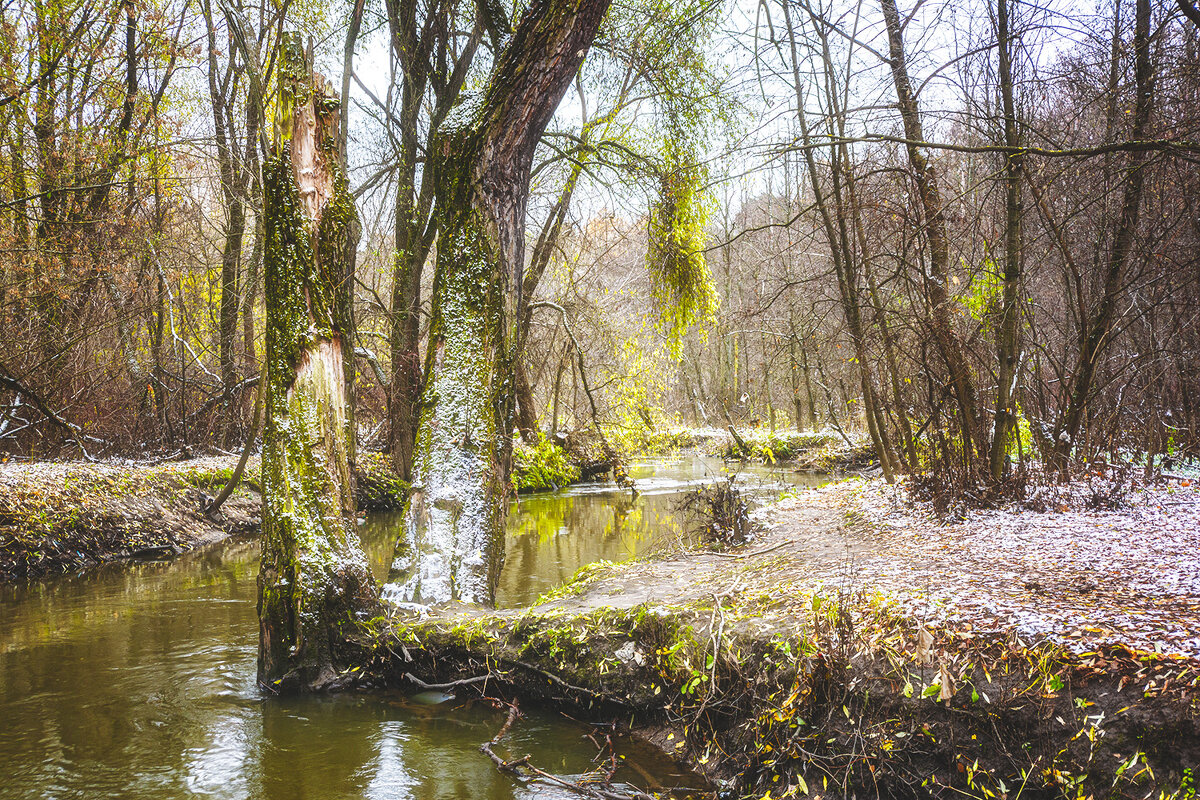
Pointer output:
x,y
137,681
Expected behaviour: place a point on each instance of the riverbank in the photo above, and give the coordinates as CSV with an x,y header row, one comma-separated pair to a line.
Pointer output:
x,y
58,517
830,658
824,451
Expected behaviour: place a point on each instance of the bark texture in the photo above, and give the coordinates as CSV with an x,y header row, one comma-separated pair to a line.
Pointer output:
x,y
453,542
314,580
1008,332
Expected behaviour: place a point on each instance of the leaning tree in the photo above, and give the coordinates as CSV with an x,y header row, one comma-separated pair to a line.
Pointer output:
x,y
314,582
453,541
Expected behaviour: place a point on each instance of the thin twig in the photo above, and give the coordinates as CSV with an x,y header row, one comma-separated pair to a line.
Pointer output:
x,y
756,552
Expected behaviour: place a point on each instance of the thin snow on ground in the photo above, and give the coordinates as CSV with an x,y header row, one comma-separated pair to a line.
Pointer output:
x,y
1074,575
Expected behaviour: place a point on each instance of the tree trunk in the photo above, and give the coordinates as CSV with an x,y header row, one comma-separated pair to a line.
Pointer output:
x,y
563,363
936,280
235,222
833,215
414,42
1007,334
453,542
314,581
1096,336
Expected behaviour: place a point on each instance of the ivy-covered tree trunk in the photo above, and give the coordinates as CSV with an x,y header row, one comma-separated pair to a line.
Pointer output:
x,y
314,581
453,542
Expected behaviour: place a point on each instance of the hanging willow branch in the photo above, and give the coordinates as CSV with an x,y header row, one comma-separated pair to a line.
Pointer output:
x,y
680,281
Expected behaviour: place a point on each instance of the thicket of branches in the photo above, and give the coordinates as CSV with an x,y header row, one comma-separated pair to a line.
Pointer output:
x,y
967,229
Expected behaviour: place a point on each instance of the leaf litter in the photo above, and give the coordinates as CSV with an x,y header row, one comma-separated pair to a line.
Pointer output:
x,y
1073,575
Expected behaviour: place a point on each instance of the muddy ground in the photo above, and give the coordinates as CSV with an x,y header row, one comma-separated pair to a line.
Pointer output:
x,y
788,670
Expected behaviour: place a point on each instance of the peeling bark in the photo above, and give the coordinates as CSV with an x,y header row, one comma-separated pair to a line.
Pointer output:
x,y
314,581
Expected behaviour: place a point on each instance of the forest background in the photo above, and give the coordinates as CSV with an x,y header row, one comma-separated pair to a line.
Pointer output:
x,y
968,230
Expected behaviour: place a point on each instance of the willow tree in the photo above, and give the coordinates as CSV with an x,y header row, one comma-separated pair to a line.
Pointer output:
x,y
314,580
480,161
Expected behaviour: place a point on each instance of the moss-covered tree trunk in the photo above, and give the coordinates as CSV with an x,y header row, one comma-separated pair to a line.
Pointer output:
x,y
453,542
314,581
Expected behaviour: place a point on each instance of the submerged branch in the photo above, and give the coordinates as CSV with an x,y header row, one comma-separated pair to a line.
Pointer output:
x,y
524,768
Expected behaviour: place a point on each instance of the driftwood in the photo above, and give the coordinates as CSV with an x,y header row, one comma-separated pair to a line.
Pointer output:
x,y
599,788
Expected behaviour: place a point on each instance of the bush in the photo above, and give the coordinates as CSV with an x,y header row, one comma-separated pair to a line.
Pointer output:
x,y
544,465
720,512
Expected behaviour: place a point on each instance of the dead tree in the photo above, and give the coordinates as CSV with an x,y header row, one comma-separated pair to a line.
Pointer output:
x,y
314,581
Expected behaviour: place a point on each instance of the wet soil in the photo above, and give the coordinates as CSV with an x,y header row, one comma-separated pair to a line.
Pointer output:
x,y
785,668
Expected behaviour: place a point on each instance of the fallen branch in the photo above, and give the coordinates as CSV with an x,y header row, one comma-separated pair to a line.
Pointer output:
x,y
741,443
600,791
234,479
442,687
10,381
555,679
756,552
370,358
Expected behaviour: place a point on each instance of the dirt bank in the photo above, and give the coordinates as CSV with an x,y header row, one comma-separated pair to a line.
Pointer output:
x,y
786,670
60,517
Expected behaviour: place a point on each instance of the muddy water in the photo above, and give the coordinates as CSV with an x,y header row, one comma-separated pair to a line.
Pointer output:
x,y
138,681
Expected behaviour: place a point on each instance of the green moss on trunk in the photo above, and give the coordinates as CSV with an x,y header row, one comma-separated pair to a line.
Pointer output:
x,y
314,581
453,544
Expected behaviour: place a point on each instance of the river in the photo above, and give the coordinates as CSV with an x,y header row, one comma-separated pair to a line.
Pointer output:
x,y
138,680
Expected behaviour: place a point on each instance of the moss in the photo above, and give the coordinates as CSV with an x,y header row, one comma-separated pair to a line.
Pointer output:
x,y
578,583
314,579
852,695
543,465
379,487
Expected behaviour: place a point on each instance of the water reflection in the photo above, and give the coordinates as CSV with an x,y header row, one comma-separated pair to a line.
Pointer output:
x,y
138,681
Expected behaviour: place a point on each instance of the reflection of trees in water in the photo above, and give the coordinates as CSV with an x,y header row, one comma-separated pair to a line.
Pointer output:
x,y
113,676
551,535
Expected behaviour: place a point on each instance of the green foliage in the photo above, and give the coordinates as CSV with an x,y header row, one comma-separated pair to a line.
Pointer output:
x,y
983,295
544,465
680,280
637,390
689,101
668,441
